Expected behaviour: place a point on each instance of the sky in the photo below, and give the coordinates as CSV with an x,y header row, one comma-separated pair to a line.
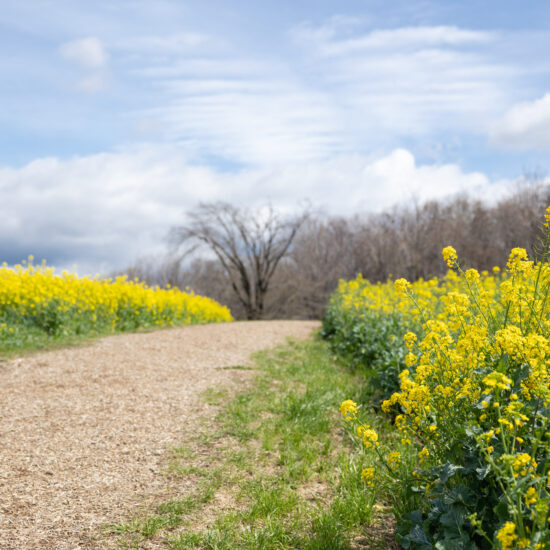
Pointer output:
x,y
120,116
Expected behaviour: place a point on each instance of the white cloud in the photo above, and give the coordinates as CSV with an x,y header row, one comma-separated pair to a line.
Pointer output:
x,y
525,126
102,211
329,44
166,44
88,53
357,183
242,108
408,81
91,58
251,122
340,90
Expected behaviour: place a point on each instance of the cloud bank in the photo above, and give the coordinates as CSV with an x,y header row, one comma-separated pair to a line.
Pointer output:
x,y
338,112
525,126
103,211
343,90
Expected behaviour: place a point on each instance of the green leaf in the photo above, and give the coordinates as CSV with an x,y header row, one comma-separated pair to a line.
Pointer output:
x,y
419,537
447,471
462,494
481,473
454,518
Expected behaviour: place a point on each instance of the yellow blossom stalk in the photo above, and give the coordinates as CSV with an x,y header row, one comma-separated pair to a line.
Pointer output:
x,y
472,387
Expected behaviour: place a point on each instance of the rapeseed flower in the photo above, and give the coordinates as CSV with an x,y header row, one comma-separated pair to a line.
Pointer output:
x,y
367,476
36,296
507,535
449,255
348,409
473,380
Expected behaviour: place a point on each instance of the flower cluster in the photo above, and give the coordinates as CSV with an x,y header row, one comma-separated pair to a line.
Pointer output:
x,y
35,296
473,403
349,409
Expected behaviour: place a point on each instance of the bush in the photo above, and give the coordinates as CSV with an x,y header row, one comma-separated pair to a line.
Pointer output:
x,y
372,344
33,299
473,404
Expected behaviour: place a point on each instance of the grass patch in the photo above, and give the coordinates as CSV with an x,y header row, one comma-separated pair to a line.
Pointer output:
x,y
27,340
24,340
214,396
275,470
235,367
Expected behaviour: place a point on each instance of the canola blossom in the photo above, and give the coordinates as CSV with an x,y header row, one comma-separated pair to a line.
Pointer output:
x,y
471,403
36,298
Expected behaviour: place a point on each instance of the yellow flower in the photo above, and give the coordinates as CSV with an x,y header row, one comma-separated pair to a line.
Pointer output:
x,y
523,464
530,496
367,473
348,408
400,421
518,260
423,454
394,460
367,476
472,276
410,339
506,535
361,430
402,285
370,438
497,380
478,347
449,255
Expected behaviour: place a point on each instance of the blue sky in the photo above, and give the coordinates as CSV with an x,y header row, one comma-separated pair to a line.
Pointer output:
x,y
119,116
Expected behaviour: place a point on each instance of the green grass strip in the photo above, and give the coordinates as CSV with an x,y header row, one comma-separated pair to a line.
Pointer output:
x,y
278,455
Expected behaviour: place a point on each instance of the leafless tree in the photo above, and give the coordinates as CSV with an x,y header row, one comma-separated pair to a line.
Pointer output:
x,y
323,252
249,245
158,270
300,259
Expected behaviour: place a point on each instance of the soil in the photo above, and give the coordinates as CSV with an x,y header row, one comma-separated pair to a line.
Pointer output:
x,y
85,431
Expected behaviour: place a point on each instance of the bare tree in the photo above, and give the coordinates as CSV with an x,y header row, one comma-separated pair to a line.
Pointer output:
x,y
249,244
323,252
300,259
156,270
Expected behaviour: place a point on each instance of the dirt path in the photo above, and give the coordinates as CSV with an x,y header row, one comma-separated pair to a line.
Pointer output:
x,y
84,430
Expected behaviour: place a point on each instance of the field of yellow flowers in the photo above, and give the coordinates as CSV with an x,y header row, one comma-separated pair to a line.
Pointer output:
x,y
37,305
461,366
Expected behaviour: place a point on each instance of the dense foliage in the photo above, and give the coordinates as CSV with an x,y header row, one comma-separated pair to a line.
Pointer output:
x,y
34,300
471,467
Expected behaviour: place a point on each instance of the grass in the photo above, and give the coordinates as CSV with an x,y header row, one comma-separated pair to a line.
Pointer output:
x,y
275,470
26,340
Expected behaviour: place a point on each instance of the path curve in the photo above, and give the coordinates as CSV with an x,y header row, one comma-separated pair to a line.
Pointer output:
x,y
84,430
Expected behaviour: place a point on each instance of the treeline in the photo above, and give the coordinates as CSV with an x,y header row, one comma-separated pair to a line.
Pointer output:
x,y
405,241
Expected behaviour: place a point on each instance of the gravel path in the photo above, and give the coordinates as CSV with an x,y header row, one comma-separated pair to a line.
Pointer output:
x,y
84,431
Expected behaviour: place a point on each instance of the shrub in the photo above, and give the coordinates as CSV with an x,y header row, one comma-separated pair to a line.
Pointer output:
x,y
34,298
472,407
